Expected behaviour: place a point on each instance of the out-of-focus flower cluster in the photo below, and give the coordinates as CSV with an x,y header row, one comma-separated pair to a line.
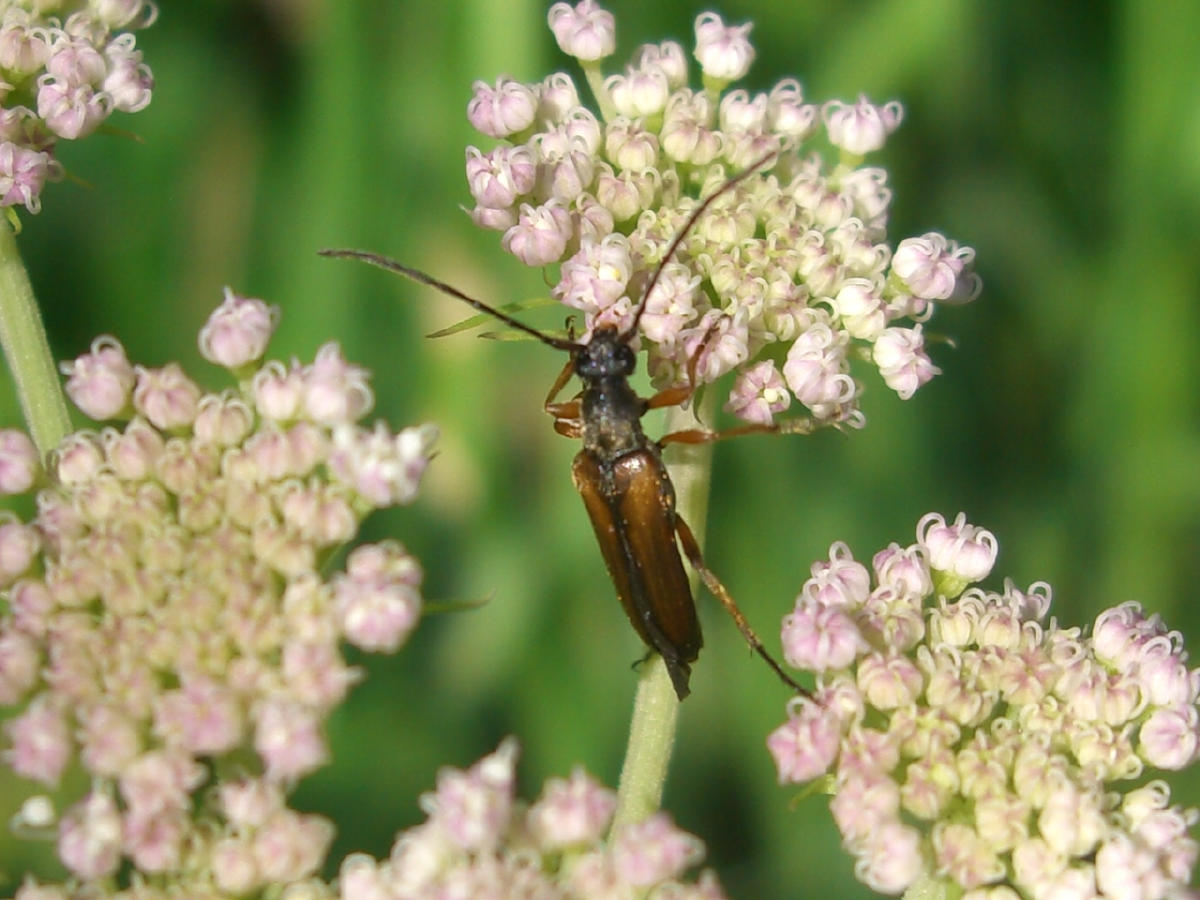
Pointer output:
x,y
788,276
65,67
968,739
166,625
480,842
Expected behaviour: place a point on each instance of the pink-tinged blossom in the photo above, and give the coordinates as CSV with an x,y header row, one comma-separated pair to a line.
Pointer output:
x,y
596,276
1170,737
238,330
900,355
288,739
166,397
101,381
290,846
19,665
820,638
653,851
202,715
758,394
40,742
503,109
23,173
89,837
805,746
957,551
383,468
19,544
336,391
473,807
816,371
69,110
498,178
19,463
571,812
278,391
584,31
377,599
641,92
861,127
788,114
724,52
540,235
935,268
890,859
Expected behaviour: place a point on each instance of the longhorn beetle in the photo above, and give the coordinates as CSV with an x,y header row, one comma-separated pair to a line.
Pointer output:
x,y
620,474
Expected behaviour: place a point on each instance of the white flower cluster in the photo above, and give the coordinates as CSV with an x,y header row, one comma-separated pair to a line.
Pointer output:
x,y
786,278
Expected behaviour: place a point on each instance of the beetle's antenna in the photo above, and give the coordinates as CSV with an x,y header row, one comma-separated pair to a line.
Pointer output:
x,y
417,275
686,229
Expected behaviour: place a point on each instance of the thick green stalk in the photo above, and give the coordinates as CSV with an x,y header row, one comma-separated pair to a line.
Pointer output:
x,y
24,343
655,708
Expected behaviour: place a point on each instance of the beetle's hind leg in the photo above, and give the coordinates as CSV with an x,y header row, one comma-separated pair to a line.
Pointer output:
x,y
718,590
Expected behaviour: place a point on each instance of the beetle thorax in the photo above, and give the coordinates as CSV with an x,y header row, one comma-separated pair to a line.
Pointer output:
x,y
611,409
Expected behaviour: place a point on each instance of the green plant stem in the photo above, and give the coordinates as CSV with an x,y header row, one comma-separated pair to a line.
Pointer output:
x,y
655,708
23,340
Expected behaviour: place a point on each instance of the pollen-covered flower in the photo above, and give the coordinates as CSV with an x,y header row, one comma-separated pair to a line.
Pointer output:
x,y
987,748
480,841
67,66
790,268
168,619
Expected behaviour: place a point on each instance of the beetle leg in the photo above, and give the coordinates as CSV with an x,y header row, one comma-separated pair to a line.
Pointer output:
x,y
569,427
718,590
803,425
555,389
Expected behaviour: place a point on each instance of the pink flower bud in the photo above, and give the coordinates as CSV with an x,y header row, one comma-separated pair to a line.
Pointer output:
x,y
902,360
40,742
724,53
788,114
23,172
652,851
643,92
961,550
71,112
473,807
862,127
557,98
288,738
496,179
291,846
1170,738
20,663
238,330
89,837
233,867
820,638
935,268
129,82
816,370
166,397
805,746
19,544
571,812
540,235
584,31
19,464
505,109
100,382
335,391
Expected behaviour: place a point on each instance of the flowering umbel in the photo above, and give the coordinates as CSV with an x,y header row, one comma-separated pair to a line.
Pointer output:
x,y
785,279
65,67
969,740
167,626
479,841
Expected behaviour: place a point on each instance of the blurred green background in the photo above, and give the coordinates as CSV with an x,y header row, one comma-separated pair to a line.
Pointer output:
x,y
1062,141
